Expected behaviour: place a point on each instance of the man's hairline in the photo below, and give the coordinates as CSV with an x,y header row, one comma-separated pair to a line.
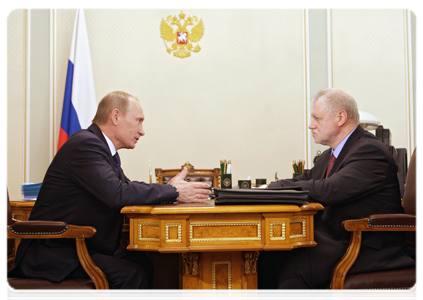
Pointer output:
x,y
334,111
129,107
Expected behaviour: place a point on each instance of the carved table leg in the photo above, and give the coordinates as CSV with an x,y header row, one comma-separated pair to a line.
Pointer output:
x,y
220,270
250,262
192,277
190,264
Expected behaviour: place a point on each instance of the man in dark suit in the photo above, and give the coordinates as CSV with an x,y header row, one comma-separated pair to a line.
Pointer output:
x,y
354,178
85,185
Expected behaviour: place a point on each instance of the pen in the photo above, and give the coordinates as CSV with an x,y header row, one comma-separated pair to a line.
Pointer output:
x,y
228,170
150,171
294,167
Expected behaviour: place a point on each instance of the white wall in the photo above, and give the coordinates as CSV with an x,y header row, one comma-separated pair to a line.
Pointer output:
x,y
15,102
377,60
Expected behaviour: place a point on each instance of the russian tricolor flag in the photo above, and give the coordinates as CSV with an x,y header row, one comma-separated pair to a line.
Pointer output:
x,y
79,103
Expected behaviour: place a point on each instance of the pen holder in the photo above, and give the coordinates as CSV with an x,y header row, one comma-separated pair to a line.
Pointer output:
x,y
296,174
226,181
244,184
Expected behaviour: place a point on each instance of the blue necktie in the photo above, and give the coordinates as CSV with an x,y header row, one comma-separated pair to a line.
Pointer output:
x,y
117,163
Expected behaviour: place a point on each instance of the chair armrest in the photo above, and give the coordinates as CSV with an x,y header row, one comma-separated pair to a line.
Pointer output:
x,y
392,221
97,276
377,222
382,222
57,230
48,230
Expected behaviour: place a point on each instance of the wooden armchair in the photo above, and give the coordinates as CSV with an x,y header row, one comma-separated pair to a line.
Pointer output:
x,y
392,279
55,230
205,175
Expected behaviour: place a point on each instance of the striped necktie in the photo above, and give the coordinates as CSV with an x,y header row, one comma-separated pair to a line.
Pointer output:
x,y
117,163
330,165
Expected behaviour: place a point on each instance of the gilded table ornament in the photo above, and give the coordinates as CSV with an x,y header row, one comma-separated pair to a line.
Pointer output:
x,y
229,274
303,233
168,239
142,225
240,231
250,262
182,34
190,263
272,231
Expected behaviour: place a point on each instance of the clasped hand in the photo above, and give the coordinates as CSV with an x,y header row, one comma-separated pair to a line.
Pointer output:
x,y
190,191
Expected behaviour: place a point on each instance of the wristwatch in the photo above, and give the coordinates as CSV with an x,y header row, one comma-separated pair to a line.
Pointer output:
x,y
177,192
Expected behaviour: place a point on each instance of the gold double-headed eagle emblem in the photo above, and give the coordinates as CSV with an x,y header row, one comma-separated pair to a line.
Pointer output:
x,y
188,31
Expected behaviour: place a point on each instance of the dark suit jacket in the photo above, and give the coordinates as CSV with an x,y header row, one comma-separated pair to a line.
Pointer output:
x,y
81,188
363,181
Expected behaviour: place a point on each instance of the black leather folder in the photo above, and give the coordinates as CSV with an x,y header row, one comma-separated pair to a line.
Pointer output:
x,y
260,196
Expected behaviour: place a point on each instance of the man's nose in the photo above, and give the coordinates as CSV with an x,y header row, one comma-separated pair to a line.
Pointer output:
x,y
141,131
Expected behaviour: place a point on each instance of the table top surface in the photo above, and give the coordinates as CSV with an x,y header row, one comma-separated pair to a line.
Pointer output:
x,y
210,207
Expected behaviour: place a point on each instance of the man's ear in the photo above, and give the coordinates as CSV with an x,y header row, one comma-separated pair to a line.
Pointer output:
x,y
114,115
342,117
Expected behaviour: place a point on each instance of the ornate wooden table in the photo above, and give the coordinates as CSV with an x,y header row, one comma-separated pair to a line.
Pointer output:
x,y
220,244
